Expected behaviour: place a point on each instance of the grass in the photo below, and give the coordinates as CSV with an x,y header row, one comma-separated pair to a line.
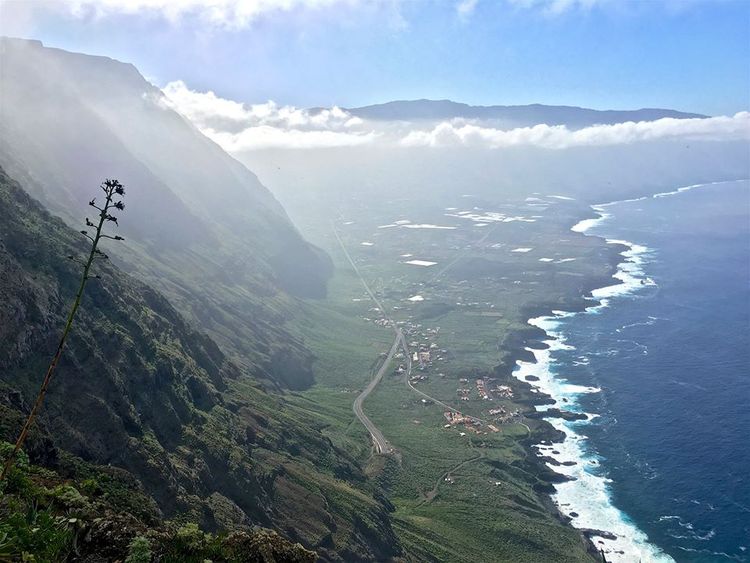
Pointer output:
x,y
493,509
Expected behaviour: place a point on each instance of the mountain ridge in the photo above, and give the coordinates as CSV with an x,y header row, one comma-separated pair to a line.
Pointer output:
x,y
514,115
203,230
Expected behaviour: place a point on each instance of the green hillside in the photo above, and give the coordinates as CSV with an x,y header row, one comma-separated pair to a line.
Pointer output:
x,y
141,390
202,230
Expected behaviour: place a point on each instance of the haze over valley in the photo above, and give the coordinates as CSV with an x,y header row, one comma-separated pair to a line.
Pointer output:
x,y
354,293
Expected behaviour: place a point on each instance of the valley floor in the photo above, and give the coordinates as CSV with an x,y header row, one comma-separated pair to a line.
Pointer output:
x,y
451,433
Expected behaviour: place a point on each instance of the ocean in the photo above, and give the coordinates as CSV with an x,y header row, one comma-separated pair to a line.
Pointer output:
x,y
661,363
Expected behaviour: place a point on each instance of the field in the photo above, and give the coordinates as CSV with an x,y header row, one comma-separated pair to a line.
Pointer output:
x,y
460,492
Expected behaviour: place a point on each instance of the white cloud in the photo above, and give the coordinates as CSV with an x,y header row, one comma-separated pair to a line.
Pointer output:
x,y
229,14
267,137
554,7
560,137
238,127
465,9
558,7
201,107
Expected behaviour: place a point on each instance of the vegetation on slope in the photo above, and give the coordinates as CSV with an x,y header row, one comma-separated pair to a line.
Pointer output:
x,y
202,229
139,389
101,514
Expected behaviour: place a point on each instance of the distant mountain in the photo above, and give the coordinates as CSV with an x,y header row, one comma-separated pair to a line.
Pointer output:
x,y
512,116
200,226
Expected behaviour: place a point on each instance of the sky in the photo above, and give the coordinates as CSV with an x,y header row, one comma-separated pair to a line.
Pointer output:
x,y
240,127
690,55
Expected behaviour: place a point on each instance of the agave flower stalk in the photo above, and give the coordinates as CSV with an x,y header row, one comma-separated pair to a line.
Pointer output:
x,y
113,192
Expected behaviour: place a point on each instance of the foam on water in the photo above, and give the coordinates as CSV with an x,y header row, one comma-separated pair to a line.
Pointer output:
x,y
587,498
586,224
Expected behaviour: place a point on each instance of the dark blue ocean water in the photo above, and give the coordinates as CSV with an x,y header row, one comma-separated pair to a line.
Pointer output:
x,y
672,361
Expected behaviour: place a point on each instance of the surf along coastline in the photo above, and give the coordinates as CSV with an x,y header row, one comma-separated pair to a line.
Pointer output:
x,y
581,487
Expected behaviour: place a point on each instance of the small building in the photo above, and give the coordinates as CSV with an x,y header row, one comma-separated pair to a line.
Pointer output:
x,y
504,391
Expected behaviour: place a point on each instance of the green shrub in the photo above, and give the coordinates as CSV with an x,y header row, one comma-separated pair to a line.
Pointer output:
x,y
139,550
22,460
27,530
190,538
91,487
190,544
69,497
17,480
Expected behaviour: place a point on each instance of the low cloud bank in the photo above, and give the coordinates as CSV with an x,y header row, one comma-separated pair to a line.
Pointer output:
x,y
560,137
239,127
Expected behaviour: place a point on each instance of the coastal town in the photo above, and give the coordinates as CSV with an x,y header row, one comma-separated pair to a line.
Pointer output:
x,y
427,359
455,297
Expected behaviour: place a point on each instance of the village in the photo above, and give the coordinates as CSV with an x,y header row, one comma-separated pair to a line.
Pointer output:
x,y
426,354
498,416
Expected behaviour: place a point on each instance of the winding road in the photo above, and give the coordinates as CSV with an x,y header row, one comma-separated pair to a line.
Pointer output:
x,y
381,444
429,496
405,347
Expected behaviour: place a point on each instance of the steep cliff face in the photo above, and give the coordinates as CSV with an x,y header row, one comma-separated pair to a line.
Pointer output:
x,y
139,388
202,229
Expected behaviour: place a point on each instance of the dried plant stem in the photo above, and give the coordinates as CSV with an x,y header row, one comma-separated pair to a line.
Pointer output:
x,y
103,218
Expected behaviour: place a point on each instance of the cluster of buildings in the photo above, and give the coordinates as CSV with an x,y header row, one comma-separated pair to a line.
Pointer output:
x,y
470,423
425,350
424,353
487,392
414,379
422,357
504,391
484,389
502,416
455,418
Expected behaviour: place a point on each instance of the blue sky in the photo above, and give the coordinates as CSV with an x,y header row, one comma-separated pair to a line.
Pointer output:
x,y
685,54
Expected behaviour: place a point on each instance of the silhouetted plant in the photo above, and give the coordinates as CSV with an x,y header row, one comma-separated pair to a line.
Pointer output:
x,y
113,192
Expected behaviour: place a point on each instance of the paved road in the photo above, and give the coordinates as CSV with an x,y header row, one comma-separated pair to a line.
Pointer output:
x,y
381,444
359,275
405,348
430,495
463,253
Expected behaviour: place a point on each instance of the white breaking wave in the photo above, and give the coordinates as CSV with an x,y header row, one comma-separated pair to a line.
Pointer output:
x,y
587,499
